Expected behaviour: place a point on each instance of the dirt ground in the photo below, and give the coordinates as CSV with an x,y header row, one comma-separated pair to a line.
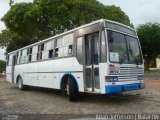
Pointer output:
x,y
47,101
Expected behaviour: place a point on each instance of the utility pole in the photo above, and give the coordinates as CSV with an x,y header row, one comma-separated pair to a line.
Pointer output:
x,y
11,2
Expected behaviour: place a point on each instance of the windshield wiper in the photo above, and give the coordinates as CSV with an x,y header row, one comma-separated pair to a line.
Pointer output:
x,y
133,55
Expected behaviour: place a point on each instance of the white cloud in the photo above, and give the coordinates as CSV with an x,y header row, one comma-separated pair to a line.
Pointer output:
x,y
149,12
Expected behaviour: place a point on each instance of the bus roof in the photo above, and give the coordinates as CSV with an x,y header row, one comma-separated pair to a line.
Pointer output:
x,y
69,31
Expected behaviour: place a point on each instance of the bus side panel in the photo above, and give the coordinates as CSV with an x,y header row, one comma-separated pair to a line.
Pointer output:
x,y
32,73
60,68
21,70
78,75
9,73
46,74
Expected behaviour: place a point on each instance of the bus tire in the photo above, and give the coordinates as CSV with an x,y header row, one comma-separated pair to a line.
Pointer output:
x,y
73,92
20,84
64,87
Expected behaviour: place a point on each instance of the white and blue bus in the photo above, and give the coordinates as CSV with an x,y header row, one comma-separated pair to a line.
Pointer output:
x,y
102,57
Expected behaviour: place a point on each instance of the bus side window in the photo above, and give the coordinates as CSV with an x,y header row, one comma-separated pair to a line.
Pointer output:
x,y
68,44
50,46
30,54
34,53
38,52
10,57
79,50
41,51
24,57
59,47
56,52
70,50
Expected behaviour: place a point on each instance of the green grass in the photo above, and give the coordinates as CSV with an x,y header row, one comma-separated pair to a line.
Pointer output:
x,y
152,71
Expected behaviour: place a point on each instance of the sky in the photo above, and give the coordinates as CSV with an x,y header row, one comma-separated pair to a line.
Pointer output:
x,y
139,11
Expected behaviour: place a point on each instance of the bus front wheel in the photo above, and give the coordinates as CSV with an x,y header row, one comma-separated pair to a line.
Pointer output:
x,y
72,90
20,84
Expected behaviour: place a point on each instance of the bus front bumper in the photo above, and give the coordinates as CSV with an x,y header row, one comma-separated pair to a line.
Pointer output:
x,y
123,88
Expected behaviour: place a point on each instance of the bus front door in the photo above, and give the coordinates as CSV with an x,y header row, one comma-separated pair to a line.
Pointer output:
x,y
92,62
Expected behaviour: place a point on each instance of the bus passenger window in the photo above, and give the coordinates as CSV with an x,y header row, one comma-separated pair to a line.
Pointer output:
x,y
50,53
38,52
50,46
56,52
30,54
70,50
42,49
34,53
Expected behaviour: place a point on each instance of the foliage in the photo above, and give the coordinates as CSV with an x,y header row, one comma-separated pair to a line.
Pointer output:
x,y
2,66
35,21
149,35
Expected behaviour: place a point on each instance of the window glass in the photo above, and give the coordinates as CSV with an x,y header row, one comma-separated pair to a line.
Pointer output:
x,y
64,46
124,49
34,53
59,42
96,52
24,57
70,50
103,48
65,49
45,55
30,54
24,52
50,45
135,56
88,48
50,55
42,47
79,50
68,39
44,52
18,56
60,52
117,47
56,52
10,59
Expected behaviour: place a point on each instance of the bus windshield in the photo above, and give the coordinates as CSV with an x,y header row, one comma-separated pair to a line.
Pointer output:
x,y
123,49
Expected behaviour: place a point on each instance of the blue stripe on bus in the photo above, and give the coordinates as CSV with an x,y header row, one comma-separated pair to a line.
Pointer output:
x,y
123,88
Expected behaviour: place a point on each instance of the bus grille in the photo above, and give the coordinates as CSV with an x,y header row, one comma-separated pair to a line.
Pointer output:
x,y
129,73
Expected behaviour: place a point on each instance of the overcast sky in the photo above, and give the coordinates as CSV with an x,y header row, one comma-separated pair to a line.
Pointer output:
x,y
139,11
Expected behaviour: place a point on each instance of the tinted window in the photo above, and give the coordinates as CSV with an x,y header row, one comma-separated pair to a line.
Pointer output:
x,y
117,47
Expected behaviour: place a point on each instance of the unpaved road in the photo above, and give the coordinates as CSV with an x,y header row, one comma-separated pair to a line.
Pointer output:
x,y
48,101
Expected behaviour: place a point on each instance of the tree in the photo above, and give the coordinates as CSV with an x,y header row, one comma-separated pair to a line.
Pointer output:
x,y
44,18
11,40
2,66
149,35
